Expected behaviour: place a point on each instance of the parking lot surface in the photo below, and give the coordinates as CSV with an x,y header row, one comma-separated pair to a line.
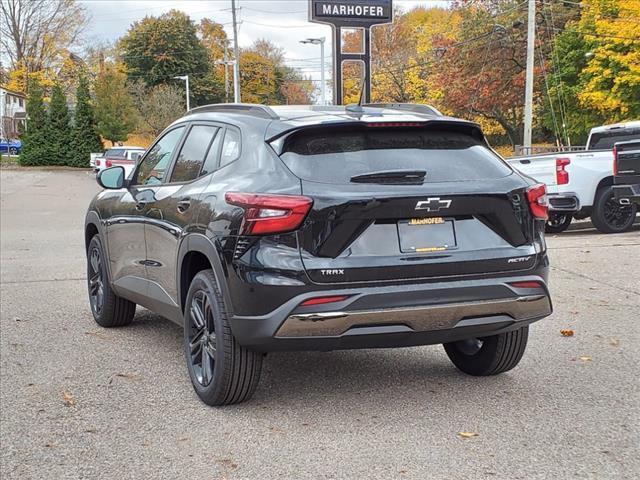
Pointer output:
x,y
79,401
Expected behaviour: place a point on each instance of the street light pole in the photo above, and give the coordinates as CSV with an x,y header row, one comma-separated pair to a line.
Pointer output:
x,y
186,79
323,86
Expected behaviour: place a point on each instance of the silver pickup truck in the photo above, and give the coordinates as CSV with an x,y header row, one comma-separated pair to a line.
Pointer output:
x,y
580,184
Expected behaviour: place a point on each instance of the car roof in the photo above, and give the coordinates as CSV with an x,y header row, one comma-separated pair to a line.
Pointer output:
x,y
276,120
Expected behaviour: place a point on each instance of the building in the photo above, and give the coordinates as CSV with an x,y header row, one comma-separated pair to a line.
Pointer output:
x,y
12,112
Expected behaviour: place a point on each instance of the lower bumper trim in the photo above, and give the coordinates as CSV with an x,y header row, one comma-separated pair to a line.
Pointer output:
x,y
418,319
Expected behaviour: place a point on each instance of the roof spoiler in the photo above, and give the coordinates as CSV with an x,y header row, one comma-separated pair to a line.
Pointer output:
x,y
252,109
407,107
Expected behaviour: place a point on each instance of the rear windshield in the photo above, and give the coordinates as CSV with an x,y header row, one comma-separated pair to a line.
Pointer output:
x,y
606,140
115,152
334,156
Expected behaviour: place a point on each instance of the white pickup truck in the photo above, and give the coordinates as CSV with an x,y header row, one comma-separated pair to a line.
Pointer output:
x,y
580,184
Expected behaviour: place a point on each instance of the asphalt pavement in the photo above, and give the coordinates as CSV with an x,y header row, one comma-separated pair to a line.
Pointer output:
x,y
80,401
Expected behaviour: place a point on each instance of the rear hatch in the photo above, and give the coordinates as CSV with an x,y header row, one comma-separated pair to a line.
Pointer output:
x,y
407,201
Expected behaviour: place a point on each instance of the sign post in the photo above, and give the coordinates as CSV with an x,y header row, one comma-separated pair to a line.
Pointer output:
x,y
352,14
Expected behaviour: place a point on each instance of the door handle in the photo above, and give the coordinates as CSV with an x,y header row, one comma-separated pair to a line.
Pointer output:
x,y
184,204
140,205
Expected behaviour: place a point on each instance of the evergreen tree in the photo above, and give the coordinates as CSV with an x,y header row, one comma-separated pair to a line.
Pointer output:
x,y
85,136
59,128
35,140
115,112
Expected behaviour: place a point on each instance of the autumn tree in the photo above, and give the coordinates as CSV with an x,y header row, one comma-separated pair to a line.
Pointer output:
x,y
85,135
157,49
115,111
35,148
34,33
158,106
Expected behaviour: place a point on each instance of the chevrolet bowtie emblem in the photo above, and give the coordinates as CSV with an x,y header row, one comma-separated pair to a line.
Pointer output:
x,y
433,204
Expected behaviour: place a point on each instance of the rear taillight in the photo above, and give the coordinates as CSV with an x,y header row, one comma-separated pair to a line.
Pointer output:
x,y
538,202
97,162
615,161
264,213
108,163
324,300
562,176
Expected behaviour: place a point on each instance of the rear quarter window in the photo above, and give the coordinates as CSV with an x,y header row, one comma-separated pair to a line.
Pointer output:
x,y
336,155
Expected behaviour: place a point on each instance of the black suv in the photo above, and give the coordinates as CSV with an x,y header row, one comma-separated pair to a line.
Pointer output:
x,y
318,228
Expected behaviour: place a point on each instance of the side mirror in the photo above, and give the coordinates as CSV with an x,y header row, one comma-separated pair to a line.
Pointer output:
x,y
111,178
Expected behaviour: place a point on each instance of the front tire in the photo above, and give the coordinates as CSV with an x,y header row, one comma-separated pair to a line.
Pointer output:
x,y
489,355
558,223
222,371
608,216
109,310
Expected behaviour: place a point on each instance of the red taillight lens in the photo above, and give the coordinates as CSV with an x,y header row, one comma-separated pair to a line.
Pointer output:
x,y
97,162
615,161
394,124
538,202
526,284
562,176
264,213
323,300
108,163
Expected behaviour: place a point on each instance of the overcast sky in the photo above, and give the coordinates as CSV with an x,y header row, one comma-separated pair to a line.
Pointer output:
x,y
284,22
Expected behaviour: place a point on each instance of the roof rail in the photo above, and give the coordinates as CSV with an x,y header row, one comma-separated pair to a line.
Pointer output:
x,y
253,109
409,107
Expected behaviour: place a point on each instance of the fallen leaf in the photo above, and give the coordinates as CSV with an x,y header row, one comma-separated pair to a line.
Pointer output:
x,y
567,332
275,429
68,399
98,334
183,439
614,342
585,358
467,434
49,445
402,472
91,430
573,312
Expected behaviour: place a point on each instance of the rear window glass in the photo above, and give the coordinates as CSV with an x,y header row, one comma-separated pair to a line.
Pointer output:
x,y
334,156
115,152
606,140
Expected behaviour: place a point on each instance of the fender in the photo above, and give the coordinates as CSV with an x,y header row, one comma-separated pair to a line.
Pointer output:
x,y
196,242
92,218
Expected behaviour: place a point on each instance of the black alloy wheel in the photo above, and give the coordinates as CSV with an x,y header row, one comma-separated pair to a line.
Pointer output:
x,y
109,310
96,280
13,151
202,338
609,216
558,223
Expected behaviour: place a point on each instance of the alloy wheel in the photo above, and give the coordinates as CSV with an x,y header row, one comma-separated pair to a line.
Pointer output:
x,y
615,214
202,338
96,281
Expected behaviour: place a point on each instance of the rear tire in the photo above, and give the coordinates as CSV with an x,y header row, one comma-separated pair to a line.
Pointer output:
x,y
608,216
558,223
222,371
489,355
109,310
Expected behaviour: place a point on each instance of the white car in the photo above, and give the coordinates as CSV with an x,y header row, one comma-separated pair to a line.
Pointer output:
x,y
126,156
580,184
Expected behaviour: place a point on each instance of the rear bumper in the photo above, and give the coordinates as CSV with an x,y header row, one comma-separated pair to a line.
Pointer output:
x,y
564,202
397,316
627,192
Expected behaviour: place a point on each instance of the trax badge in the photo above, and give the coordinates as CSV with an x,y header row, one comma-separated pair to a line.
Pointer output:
x,y
433,204
336,271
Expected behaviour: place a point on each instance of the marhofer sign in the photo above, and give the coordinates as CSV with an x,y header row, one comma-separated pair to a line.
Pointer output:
x,y
356,13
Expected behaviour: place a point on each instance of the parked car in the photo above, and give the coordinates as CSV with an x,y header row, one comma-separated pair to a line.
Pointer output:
x,y
10,146
317,228
626,170
123,156
580,184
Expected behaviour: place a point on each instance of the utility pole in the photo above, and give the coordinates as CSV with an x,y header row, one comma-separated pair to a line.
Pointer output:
x,y
186,79
226,73
528,89
236,54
